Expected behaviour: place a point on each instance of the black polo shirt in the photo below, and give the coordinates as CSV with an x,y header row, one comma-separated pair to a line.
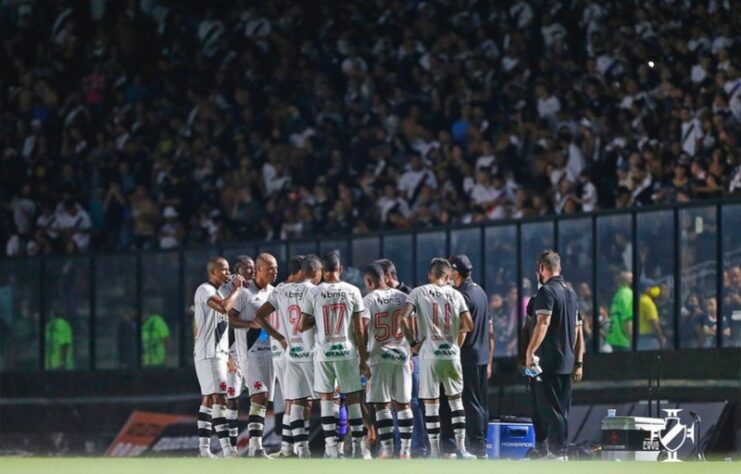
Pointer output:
x,y
557,350
475,348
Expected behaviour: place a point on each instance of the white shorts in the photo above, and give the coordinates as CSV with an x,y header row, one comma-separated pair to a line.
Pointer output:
x,y
390,382
211,375
298,381
345,372
279,371
234,383
433,372
258,375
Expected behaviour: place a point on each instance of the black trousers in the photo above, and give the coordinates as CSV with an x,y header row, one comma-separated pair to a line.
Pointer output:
x,y
476,406
553,401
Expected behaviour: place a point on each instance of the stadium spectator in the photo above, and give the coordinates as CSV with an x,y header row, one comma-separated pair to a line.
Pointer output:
x,y
212,110
620,335
58,340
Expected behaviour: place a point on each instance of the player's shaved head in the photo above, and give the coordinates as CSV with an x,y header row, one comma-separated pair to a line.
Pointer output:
x,y
216,263
439,268
312,268
265,259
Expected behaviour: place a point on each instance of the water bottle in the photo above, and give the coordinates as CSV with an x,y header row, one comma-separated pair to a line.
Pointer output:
x,y
611,412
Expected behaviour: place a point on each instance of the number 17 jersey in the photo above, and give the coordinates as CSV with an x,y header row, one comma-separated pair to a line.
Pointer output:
x,y
287,299
386,342
332,305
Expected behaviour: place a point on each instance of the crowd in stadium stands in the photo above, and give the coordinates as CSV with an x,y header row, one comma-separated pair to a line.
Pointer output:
x,y
157,124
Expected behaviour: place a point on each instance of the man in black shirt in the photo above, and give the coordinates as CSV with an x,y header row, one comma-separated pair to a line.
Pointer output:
x,y
553,341
476,353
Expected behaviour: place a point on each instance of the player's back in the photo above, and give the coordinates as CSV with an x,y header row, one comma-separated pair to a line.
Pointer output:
x,y
386,342
287,299
333,305
437,312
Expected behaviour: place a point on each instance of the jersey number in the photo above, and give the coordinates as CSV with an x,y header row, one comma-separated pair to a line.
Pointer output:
x,y
436,318
334,318
294,315
383,330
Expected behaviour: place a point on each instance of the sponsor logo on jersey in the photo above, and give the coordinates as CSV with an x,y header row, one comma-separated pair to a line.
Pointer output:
x,y
393,354
334,295
440,294
297,352
445,350
337,350
388,300
297,295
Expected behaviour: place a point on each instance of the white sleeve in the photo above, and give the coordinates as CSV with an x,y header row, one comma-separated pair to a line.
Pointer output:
x,y
366,305
307,302
412,299
460,303
358,306
239,300
204,293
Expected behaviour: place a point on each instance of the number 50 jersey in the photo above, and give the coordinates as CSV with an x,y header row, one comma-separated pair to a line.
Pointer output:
x,y
287,299
332,305
386,342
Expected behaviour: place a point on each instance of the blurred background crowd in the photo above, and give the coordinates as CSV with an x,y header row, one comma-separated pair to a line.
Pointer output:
x,y
157,124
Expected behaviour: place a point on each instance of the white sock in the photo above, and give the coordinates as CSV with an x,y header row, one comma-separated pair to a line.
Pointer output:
x,y
458,421
405,420
355,417
221,428
205,427
385,427
256,424
296,422
231,420
432,423
329,422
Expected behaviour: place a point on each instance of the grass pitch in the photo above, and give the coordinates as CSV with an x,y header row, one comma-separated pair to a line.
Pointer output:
x,y
320,466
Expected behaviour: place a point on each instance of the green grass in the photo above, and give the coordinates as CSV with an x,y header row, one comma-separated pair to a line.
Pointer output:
x,y
319,466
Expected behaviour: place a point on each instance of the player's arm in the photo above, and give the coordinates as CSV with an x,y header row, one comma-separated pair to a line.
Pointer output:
x,y
543,308
224,305
262,320
357,329
492,347
405,323
237,323
578,370
466,325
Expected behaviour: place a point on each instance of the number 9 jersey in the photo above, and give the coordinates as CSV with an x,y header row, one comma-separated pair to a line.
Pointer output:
x,y
333,305
287,299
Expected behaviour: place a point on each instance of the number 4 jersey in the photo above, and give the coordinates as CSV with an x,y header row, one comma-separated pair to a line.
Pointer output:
x,y
386,343
287,299
437,310
332,305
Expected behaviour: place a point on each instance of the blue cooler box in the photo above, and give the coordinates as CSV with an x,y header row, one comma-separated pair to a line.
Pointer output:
x,y
509,440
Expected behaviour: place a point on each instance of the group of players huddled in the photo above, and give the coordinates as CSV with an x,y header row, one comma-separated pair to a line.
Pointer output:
x,y
318,337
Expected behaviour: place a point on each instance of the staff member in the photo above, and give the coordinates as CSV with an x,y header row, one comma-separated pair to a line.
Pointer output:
x,y
553,341
476,353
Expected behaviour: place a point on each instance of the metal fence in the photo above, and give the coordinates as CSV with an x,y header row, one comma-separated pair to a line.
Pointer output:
x,y
131,310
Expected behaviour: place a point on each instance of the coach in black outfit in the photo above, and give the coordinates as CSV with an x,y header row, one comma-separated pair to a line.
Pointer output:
x,y
553,340
475,355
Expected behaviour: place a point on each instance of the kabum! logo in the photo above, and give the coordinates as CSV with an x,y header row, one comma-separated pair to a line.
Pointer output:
x,y
675,433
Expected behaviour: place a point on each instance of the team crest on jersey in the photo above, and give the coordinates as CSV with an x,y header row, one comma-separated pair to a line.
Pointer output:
x,y
230,391
258,385
222,386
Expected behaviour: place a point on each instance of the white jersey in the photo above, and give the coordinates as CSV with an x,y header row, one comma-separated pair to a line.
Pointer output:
x,y
333,305
249,300
287,299
226,290
211,327
386,342
437,312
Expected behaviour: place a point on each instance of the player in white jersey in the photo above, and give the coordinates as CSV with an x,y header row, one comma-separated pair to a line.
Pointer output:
x,y
298,379
442,321
245,267
253,346
389,360
211,352
340,353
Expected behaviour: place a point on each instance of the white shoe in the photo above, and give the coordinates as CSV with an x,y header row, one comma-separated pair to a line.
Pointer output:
x,y
232,453
258,453
331,452
554,457
206,454
465,455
